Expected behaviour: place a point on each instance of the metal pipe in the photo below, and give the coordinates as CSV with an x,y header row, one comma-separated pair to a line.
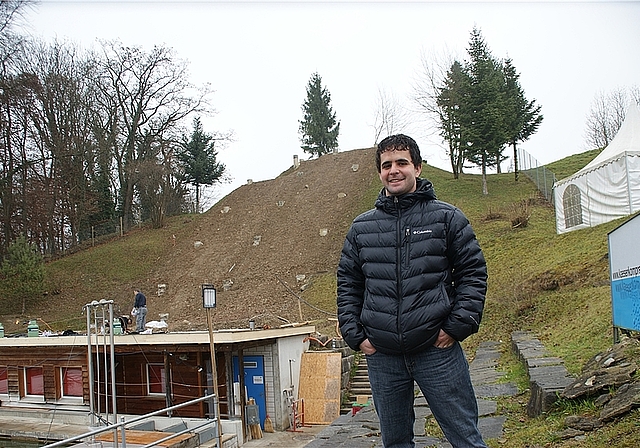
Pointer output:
x,y
113,368
106,366
90,367
95,322
124,442
214,372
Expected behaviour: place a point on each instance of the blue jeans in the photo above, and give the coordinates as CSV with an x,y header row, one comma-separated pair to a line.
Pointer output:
x,y
141,319
443,376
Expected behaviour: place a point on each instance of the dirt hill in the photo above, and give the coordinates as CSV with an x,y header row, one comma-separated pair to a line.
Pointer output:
x,y
259,246
262,235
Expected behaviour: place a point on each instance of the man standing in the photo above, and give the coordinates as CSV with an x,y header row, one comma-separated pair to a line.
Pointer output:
x,y
411,285
140,305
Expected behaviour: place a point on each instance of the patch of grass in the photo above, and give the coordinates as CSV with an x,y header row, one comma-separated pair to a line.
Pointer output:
x,y
104,268
432,429
514,370
570,165
322,295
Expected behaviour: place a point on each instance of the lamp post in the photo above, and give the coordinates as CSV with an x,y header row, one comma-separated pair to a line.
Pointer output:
x,y
209,303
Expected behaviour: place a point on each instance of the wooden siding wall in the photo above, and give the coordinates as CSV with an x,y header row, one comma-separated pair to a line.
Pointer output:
x,y
183,363
186,382
17,358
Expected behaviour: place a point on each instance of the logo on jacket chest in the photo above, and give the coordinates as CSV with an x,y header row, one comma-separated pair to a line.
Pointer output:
x,y
422,232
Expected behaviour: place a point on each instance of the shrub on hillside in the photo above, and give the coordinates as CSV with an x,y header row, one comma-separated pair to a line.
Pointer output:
x,y
22,273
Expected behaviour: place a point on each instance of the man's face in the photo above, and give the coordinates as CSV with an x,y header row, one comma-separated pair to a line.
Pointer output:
x,y
397,173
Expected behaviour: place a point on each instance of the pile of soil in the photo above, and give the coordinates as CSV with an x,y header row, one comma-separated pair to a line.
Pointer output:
x,y
264,242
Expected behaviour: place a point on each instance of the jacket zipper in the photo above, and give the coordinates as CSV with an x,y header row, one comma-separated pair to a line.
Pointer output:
x,y
399,269
407,245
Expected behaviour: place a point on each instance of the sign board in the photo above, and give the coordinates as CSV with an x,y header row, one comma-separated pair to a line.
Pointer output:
x,y
624,264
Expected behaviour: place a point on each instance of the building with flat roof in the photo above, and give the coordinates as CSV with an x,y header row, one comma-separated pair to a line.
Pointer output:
x,y
155,371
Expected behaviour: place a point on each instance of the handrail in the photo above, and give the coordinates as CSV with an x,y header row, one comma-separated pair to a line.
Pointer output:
x,y
133,420
184,431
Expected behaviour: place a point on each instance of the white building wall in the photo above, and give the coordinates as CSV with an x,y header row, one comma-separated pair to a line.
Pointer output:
x,y
282,371
290,352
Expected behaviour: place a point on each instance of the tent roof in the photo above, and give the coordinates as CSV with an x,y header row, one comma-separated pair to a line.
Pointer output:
x,y
626,140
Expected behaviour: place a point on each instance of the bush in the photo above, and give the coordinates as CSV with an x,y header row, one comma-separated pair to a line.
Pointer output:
x,y
23,272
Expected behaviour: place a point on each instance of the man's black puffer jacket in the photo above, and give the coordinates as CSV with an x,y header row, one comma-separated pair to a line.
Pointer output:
x,y
410,267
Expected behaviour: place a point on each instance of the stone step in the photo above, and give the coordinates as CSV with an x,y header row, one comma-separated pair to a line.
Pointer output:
x,y
547,374
356,392
360,379
355,389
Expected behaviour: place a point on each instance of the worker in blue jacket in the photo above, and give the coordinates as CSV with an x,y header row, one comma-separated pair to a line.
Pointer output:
x,y
140,307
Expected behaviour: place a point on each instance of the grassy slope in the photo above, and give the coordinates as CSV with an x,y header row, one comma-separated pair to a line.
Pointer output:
x,y
114,269
554,285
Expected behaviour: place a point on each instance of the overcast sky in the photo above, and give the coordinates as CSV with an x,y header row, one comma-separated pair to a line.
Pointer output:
x,y
258,57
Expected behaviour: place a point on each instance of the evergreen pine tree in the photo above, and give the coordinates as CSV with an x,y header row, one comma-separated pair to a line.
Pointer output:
x,y
22,271
485,108
318,129
198,158
451,101
523,117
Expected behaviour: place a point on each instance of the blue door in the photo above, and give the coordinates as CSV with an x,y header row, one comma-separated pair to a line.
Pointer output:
x,y
253,381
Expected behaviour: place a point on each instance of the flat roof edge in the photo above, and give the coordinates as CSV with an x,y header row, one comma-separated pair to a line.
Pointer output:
x,y
177,338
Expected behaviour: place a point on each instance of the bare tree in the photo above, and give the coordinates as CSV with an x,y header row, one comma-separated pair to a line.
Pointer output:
x,y
440,73
11,14
12,92
156,179
61,130
146,94
15,99
84,135
390,116
606,115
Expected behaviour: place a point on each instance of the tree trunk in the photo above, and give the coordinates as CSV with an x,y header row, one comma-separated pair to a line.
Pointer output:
x,y
516,168
485,190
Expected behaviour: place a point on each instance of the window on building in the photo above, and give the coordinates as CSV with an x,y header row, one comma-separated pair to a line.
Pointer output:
x,y
34,381
156,379
71,381
572,206
4,380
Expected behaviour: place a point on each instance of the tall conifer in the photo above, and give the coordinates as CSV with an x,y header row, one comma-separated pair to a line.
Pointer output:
x,y
319,128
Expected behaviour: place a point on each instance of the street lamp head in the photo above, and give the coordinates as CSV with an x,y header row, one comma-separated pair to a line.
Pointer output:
x,y
208,296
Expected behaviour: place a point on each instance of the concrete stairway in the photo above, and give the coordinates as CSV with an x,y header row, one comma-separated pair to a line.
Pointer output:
x,y
359,385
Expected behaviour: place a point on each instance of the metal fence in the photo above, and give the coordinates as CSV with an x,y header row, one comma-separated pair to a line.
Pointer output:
x,y
541,176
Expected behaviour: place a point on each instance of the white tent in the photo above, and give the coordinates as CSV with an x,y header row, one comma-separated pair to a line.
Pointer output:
x,y
608,187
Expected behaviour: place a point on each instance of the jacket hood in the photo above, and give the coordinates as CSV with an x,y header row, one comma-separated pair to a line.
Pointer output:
x,y
424,192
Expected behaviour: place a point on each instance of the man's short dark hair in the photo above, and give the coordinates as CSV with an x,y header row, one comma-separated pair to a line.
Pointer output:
x,y
399,142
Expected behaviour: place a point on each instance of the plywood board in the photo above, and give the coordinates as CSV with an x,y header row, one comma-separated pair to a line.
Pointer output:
x,y
148,437
320,386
